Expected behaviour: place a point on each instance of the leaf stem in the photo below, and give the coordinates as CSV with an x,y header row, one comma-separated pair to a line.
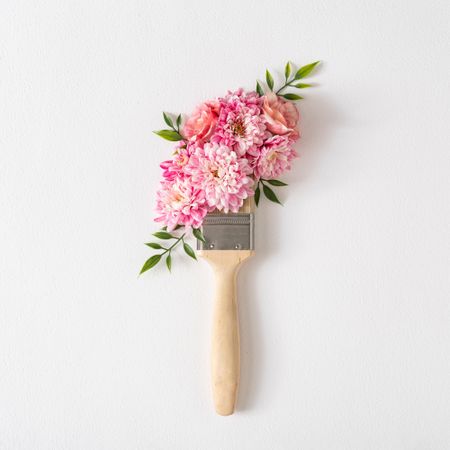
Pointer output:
x,y
173,245
177,130
287,84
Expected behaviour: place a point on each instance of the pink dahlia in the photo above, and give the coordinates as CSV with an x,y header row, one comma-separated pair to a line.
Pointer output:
x,y
222,175
174,168
281,116
180,203
275,158
240,125
202,122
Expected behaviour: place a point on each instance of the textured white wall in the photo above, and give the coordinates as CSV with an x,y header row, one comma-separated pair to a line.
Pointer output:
x,y
344,310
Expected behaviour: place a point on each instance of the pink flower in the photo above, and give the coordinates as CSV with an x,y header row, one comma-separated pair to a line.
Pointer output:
x,y
281,116
202,122
222,175
174,168
180,203
240,125
275,158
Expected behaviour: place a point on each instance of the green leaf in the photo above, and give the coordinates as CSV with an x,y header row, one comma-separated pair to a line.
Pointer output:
x,y
270,194
169,135
168,120
154,245
198,234
178,120
163,235
276,183
304,71
257,195
259,89
292,97
151,262
189,251
169,262
269,80
287,70
302,85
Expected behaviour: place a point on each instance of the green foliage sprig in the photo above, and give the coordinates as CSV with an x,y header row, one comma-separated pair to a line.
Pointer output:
x,y
174,133
289,82
167,249
267,191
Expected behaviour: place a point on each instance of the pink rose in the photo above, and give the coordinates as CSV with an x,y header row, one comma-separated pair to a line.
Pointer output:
x,y
281,116
202,122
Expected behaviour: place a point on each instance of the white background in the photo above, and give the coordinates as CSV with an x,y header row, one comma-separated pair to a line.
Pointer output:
x,y
345,318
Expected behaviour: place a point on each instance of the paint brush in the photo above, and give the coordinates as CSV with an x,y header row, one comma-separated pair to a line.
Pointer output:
x,y
229,240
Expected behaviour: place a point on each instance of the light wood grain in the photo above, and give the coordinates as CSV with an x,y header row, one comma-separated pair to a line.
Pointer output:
x,y
225,328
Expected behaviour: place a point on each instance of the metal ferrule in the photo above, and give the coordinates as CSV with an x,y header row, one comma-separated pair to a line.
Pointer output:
x,y
227,232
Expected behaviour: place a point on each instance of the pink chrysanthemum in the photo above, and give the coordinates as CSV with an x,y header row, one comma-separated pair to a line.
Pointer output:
x,y
275,158
180,203
222,175
174,168
240,125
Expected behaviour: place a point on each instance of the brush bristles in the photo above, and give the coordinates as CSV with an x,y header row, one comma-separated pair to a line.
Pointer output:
x,y
228,219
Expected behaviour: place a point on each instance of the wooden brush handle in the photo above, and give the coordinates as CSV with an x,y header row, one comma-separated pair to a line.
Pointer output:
x,y
225,328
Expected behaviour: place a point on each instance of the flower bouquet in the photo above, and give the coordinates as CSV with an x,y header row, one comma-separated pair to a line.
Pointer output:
x,y
228,150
